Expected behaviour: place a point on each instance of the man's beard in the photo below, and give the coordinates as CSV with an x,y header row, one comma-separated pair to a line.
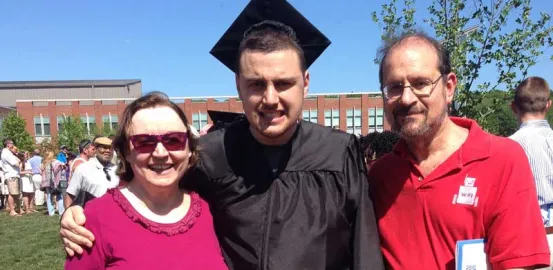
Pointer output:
x,y
414,129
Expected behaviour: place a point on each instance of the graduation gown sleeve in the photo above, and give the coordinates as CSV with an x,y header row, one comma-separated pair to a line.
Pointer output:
x,y
365,239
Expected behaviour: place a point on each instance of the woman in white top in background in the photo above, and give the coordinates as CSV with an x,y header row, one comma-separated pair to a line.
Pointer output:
x,y
27,185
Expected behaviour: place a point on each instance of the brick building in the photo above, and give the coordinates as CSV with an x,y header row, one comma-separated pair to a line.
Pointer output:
x,y
358,113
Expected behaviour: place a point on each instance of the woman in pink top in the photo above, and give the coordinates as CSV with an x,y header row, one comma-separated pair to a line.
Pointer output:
x,y
151,223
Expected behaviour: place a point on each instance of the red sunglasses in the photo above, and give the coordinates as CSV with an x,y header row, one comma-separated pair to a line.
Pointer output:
x,y
172,141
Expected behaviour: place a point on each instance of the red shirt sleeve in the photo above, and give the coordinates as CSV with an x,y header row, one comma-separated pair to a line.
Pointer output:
x,y
95,257
516,234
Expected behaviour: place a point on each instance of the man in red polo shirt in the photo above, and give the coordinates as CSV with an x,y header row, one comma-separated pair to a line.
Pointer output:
x,y
446,179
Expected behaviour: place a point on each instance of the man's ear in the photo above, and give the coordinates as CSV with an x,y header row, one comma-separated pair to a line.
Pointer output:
x,y
306,77
450,86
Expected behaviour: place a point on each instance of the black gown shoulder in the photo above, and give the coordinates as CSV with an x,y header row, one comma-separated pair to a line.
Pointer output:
x,y
314,213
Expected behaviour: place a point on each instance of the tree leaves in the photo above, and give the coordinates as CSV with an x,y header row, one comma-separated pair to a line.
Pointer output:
x,y
505,38
13,128
72,132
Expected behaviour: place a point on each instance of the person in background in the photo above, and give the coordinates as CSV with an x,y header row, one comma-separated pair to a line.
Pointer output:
x,y
447,180
384,143
11,165
115,158
62,155
530,105
36,162
86,152
3,191
93,178
70,159
52,170
368,153
27,185
156,150
377,144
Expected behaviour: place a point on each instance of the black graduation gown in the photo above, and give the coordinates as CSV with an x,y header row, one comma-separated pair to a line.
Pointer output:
x,y
313,213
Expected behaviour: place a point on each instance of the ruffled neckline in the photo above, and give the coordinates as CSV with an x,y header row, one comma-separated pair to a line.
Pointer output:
x,y
182,226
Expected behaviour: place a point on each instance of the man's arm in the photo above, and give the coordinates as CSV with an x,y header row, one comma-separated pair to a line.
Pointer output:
x,y
365,240
75,185
74,234
10,158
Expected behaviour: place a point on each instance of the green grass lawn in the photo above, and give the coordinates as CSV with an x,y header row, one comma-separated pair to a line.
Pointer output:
x,y
30,242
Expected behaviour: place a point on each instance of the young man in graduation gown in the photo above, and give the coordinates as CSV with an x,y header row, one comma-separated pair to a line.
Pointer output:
x,y
284,193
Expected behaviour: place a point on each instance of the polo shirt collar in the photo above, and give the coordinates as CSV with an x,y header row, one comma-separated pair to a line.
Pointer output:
x,y
476,146
535,124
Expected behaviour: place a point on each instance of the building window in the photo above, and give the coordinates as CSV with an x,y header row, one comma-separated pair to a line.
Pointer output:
x,y
199,120
353,118
60,119
110,121
89,123
376,119
42,126
332,118
310,116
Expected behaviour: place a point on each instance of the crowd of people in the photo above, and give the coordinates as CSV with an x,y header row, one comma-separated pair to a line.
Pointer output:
x,y
269,191
22,187
45,178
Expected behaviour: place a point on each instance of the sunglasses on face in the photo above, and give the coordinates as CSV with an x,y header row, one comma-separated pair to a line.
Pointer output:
x,y
172,141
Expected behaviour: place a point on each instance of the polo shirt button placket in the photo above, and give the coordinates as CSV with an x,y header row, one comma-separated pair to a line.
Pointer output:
x,y
421,178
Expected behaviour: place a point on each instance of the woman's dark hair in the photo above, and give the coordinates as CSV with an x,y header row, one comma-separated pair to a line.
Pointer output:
x,y
121,143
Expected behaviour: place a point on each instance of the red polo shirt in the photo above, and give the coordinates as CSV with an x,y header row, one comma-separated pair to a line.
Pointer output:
x,y
483,190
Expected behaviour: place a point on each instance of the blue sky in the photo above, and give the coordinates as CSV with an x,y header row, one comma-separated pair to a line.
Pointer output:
x,y
167,43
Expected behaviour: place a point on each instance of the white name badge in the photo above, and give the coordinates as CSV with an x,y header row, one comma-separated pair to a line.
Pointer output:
x,y
467,195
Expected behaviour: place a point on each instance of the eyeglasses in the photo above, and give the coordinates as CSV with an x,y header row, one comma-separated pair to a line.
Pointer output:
x,y
173,141
420,87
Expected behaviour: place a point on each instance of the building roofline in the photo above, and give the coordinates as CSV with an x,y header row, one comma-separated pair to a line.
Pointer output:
x,y
66,83
8,107
376,93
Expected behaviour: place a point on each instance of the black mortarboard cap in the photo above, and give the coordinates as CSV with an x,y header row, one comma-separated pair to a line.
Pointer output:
x,y
312,41
224,117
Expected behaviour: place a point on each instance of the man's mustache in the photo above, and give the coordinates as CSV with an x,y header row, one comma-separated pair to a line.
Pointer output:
x,y
404,111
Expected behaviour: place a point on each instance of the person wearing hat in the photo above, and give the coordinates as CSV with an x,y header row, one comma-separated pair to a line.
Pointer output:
x,y
92,179
284,193
62,156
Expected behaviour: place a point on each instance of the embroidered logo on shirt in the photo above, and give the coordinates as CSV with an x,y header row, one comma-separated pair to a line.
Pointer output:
x,y
467,193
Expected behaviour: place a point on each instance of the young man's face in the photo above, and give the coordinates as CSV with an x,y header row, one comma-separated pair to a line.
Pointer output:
x,y
272,87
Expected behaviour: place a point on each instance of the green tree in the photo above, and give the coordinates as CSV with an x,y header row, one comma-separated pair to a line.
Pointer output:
x,y
48,144
13,128
505,37
501,121
71,133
